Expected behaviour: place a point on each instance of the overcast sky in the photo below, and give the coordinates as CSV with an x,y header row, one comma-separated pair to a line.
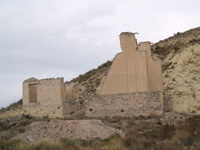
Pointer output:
x,y
65,38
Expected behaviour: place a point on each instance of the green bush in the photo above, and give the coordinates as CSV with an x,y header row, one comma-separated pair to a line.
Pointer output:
x,y
21,130
27,116
4,126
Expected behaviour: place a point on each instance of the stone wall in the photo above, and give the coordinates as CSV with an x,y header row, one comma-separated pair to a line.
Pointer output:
x,y
154,69
125,105
50,97
133,70
43,110
168,102
43,97
72,90
70,106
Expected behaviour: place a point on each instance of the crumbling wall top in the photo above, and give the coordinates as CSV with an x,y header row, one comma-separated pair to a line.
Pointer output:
x,y
49,79
127,33
32,79
144,42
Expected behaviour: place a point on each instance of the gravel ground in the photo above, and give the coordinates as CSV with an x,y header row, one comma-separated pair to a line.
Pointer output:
x,y
56,129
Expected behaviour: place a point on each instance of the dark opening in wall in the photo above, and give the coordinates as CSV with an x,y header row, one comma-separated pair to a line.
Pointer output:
x,y
58,107
33,93
122,110
72,112
90,109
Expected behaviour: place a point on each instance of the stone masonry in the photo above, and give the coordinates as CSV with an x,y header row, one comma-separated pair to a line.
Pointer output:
x,y
132,87
125,105
49,97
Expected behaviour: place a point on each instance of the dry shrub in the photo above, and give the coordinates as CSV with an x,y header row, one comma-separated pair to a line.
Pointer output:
x,y
113,142
6,143
167,131
142,136
48,145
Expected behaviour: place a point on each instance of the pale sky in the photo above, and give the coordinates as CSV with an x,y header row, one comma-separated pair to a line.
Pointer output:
x,y
65,38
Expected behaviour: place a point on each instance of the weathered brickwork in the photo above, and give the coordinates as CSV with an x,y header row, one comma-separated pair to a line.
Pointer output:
x,y
125,105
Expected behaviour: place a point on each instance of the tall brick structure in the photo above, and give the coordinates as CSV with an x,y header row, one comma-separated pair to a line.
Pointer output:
x,y
133,70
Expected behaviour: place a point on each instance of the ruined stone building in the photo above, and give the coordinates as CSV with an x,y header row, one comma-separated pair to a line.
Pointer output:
x,y
49,97
132,87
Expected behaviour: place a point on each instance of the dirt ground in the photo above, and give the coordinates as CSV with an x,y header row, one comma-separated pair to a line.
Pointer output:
x,y
56,129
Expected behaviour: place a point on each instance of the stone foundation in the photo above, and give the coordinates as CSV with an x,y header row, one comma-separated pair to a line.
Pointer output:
x,y
70,106
40,110
168,102
125,105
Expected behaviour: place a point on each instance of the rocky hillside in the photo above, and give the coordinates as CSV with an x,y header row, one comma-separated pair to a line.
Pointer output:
x,y
181,69
175,43
91,81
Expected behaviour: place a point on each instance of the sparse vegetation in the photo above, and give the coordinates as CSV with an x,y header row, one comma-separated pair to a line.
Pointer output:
x,y
111,143
176,42
13,106
140,134
91,73
185,134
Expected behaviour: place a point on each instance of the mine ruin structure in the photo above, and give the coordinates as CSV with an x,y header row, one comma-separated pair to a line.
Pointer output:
x,y
133,70
132,87
49,97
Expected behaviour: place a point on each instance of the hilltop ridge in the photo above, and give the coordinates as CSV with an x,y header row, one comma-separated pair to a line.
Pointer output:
x,y
176,42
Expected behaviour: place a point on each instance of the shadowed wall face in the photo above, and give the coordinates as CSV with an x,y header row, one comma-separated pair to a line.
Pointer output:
x,y
33,93
133,70
72,90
